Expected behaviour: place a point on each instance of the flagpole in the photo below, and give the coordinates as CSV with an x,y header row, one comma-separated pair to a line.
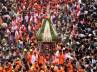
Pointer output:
x,y
48,9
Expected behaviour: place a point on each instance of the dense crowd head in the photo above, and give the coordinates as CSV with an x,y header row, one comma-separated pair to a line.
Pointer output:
x,y
75,23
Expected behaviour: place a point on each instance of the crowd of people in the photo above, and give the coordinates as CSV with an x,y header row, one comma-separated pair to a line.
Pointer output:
x,y
75,23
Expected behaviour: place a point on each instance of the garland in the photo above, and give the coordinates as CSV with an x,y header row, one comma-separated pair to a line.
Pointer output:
x,y
52,31
41,31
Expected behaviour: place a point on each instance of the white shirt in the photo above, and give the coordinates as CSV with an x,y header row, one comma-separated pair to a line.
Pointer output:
x,y
26,18
29,28
34,58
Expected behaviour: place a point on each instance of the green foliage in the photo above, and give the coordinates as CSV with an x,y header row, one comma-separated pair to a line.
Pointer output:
x,y
54,37
40,33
